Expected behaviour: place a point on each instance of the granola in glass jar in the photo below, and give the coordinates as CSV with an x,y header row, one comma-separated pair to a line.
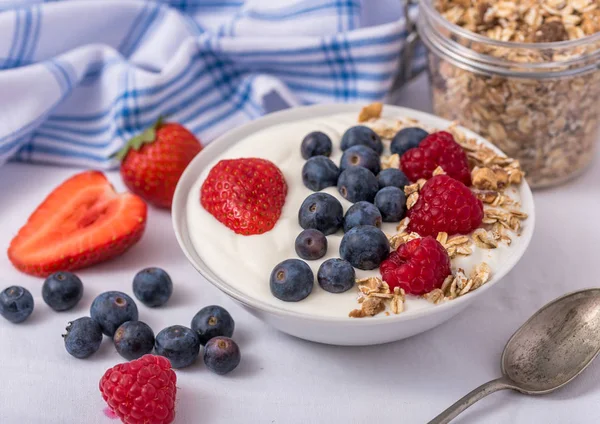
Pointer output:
x,y
522,73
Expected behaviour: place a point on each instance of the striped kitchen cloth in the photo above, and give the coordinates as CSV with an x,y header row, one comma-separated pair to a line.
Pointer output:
x,y
80,77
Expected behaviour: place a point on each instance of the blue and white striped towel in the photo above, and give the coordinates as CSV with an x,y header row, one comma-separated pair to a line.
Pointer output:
x,y
80,77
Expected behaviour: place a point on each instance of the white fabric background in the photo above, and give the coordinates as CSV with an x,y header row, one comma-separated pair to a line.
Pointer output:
x,y
283,380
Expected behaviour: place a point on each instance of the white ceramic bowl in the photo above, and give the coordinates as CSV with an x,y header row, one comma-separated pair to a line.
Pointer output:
x,y
334,330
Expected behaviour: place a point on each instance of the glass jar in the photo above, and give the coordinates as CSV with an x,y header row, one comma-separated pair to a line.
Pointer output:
x,y
538,102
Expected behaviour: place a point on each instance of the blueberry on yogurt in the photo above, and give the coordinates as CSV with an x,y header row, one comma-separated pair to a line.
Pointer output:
x,y
364,136
365,247
320,172
316,144
358,184
321,211
361,156
362,213
292,280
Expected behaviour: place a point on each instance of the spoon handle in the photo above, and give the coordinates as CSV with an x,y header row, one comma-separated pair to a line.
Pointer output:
x,y
479,393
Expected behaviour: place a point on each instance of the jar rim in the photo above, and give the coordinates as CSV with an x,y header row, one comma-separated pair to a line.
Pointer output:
x,y
470,35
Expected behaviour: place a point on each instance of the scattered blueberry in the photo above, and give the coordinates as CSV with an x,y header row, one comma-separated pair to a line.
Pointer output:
x,y
292,280
212,321
83,337
316,144
361,156
320,172
111,309
16,304
134,339
391,202
323,212
336,276
222,355
152,286
392,177
407,139
362,213
178,344
361,135
62,290
365,247
311,244
358,184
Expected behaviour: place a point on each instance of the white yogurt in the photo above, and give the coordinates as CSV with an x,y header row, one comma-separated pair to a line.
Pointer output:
x,y
246,262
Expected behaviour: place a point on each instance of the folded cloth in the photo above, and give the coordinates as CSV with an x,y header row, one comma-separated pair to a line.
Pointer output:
x,y
80,77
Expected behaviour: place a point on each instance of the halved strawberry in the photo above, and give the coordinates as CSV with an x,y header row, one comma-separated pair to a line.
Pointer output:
x,y
82,222
247,194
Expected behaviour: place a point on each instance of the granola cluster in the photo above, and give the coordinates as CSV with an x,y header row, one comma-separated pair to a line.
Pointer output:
x,y
493,177
550,124
374,295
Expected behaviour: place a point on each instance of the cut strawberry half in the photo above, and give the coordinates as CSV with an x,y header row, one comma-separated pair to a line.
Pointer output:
x,y
82,222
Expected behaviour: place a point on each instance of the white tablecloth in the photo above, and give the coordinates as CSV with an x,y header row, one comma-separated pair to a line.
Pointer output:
x,y
284,380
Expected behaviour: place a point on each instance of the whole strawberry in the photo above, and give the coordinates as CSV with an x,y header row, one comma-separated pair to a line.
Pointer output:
x,y
246,195
418,266
141,391
152,162
445,205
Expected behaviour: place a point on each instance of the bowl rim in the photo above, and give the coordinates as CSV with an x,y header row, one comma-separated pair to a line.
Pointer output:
x,y
188,178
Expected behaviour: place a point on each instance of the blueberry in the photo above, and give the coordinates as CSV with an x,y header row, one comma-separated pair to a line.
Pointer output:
x,y
361,156
319,172
407,139
361,135
62,291
391,202
292,280
311,244
392,177
134,339
111,309
152,286
362,213
16,304
178,344
358,184
212,321
336,276
316,144
365,247
83,337
222,355
321,211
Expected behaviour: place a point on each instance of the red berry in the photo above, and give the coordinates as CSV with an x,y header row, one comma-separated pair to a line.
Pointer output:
x,y
81,223
154,161
418,266
437,149
246,195
141,391
445,205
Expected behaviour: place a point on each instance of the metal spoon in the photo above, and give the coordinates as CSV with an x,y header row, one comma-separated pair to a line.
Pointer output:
x,y
552,348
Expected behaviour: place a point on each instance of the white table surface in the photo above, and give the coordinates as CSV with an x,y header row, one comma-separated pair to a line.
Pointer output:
x,y
285,380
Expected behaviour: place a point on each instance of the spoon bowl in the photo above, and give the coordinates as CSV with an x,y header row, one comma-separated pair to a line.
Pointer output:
x,y
555,345
552,348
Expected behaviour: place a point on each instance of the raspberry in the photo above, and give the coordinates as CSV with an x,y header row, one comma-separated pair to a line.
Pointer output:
x,y
418,266
437,149
141,391
445,205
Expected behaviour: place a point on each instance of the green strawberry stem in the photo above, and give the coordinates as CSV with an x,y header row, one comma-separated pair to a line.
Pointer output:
x,y
146,137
